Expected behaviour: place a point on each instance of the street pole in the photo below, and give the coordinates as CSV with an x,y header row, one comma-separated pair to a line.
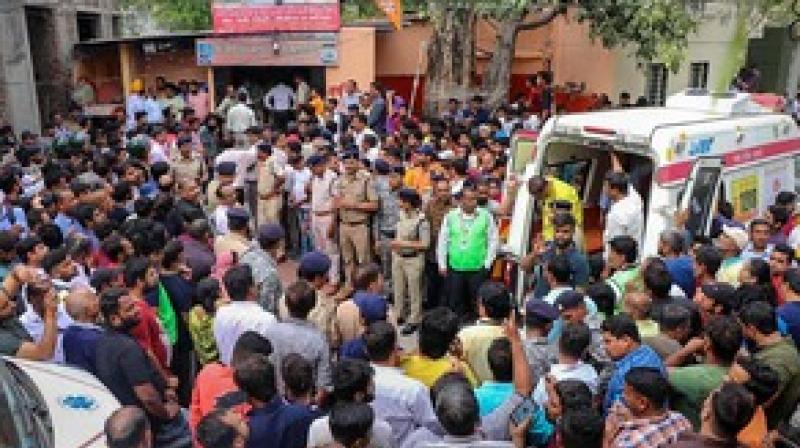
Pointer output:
x,y
412,100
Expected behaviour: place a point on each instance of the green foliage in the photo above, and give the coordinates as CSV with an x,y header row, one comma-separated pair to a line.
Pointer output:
x,y
656,29
175,15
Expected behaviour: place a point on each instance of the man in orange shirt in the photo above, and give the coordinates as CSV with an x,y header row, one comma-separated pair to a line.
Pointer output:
x,y
214,386
419,177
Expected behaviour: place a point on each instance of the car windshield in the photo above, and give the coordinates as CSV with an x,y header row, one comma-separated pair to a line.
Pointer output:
x,y
24,417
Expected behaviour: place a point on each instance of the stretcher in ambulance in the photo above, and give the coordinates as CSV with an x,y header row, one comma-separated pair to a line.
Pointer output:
x,y
698,149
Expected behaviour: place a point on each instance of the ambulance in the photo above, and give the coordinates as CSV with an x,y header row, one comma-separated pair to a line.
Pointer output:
x,y
697,150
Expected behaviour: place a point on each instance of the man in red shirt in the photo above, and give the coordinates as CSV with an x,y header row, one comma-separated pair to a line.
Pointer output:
x,y
140,275
214,386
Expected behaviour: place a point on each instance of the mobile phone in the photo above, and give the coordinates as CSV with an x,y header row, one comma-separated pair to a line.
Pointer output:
x,y
523,410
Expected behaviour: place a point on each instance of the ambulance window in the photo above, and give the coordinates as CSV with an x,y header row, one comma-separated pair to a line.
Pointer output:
x,y
702,198
523,154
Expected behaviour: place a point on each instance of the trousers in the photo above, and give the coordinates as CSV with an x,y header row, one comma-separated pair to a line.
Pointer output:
x,y
269,211
462,292
325,244
407,282
354,243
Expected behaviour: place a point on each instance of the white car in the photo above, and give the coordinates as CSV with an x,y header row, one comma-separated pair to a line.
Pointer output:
x,y
46,405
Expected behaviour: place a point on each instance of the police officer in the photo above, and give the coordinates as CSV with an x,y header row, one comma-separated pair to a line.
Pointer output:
x,y
269,182
409,246
322,214
386,185
237,240
355,201
186,164
226,172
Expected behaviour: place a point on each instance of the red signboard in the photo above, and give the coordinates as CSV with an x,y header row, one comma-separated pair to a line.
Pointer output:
x,y
241,17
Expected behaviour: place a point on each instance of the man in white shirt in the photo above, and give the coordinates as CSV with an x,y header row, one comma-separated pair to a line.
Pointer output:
x,y
400,400
465,251
135,103
240,118
360,129
242,314
625,216
572,346
280,100
244,159
351,96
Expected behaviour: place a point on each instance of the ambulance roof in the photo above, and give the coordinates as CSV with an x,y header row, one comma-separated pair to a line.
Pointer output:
x,y
682,109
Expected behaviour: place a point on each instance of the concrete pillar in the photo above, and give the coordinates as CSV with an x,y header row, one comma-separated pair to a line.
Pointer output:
x,y
125,63
65,19
15,62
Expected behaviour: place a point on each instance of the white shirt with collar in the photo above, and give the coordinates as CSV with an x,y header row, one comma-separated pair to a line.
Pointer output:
x,y
34,324
280,98
234,319
625,217
403,402
243,158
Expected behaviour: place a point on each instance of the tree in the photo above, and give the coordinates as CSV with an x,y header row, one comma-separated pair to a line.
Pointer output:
x,y
175,15
654,29
450,52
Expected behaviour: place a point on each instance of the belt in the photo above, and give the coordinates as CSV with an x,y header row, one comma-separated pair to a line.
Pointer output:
x,y
323,213
357,223
415,254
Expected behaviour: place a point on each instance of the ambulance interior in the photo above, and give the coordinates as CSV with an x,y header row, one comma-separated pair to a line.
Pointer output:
x,y
584,166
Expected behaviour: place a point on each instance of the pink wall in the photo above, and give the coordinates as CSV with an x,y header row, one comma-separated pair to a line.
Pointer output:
x,y
577,59
356,58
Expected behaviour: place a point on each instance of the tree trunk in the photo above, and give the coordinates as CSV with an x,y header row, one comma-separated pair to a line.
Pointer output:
x,y
497,79
793,77
451,55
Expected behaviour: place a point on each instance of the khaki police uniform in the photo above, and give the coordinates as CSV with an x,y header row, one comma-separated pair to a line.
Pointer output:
x,y
408,266
353,224
322,216
269,210
193,168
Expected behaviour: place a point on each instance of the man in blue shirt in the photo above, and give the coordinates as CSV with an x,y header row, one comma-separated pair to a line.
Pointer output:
x,y
563,244
789,312
493,393
624,346
11,217
272,422
65,203
672,248
80,338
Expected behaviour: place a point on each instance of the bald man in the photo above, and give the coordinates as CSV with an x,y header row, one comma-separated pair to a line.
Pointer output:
x,y
127,427
80,338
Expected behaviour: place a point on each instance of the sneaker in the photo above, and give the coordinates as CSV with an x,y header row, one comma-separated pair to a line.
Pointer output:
x,y
409,329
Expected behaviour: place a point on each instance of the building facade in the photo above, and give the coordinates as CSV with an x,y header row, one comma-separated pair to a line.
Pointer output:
x,y
36,53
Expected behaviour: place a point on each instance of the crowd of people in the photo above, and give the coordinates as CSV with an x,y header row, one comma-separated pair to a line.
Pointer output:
x,y
147,249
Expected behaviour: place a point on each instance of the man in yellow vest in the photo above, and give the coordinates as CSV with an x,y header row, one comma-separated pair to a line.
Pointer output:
x,y
465,251
556,195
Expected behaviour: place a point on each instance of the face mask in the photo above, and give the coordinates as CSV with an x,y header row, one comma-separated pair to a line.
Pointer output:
x,y
483,201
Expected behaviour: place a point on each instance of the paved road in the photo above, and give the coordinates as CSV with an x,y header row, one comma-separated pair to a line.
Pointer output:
x,y
288,274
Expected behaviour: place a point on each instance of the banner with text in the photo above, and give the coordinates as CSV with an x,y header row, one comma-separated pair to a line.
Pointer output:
x,y
287,49
255,16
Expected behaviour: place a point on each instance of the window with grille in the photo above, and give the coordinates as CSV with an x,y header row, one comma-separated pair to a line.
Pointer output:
x,y
698,75
656,92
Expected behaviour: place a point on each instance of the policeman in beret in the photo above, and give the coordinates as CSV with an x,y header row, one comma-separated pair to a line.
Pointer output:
x,y
323,226
413,236
269,179
356,201
237,240
186,164
226,173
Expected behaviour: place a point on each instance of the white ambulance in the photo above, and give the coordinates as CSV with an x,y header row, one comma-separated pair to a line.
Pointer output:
x,y
698,148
